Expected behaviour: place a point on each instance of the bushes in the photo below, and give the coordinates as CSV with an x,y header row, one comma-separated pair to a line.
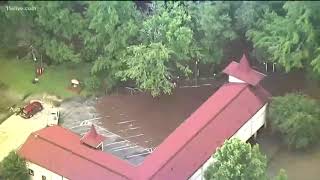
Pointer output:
x,y
14,167
92,83
237,160
297,118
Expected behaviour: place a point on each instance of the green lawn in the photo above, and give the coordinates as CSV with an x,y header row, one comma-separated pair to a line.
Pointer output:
x,y
16,81
17,77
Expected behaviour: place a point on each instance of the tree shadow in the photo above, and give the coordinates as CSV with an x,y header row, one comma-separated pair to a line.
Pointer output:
x,y
3,86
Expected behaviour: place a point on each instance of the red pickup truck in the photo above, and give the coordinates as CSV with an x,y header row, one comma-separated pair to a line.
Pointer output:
x,y
31,109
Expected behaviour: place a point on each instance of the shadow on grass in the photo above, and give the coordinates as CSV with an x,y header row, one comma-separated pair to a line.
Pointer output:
x,y
3,86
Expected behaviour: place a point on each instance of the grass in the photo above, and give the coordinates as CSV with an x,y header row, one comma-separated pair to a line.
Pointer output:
x,y
16,81
17,76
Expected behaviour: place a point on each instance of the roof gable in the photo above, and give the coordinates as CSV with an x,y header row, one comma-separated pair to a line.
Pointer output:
x,y
92,138
244,72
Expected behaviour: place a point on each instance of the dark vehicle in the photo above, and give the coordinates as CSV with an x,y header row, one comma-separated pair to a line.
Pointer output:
x,y
31,109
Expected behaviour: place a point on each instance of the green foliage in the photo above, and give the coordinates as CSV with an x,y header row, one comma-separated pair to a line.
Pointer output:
x,y
291,40
169,25
297,117
237,160
14,168
147,65
56,24
51,28
16,27
92,83
248,13
112,27
212,28
189,32
282,175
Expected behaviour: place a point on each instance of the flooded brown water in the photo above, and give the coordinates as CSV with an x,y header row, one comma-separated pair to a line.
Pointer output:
x,y
147,120
298,165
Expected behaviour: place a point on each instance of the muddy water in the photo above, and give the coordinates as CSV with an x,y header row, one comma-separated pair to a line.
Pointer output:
x,y
298,165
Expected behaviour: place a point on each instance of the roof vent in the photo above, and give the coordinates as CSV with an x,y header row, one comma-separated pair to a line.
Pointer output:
x,y
244,64
93,139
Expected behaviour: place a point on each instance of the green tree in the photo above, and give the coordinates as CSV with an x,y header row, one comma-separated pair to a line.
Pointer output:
x,y
14,168
282,175
51,28
292,39
212,29
147,65
248,13
151,68
237,160
170,25
112,27
16,27
297,118
56,27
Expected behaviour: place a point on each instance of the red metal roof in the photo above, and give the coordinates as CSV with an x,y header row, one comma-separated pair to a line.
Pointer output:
x,y
92,138
244,72
60,150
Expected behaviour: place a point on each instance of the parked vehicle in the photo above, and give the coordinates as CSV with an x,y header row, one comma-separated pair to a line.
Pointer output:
x,y
53,117
31,109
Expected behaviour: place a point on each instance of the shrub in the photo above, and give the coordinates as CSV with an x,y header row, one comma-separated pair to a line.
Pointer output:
x,y
296,117
237,160
92,83
14,167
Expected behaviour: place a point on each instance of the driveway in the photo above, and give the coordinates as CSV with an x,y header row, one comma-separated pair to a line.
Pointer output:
x,y
15,130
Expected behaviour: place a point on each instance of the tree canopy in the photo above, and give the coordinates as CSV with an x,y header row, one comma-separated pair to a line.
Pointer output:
x,y
13,167
297,117
291,40
147,65
103,33
237,160
212,29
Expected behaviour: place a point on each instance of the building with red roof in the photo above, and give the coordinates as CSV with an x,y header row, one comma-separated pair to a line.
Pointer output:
x,y
235,110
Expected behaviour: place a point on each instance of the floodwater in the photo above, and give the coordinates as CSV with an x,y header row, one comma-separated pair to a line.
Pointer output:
x,y
298,165
147,120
